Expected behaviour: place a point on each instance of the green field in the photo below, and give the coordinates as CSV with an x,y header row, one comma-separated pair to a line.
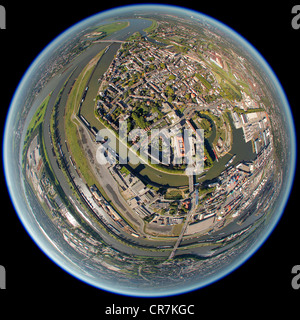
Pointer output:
x,y
112,27
37,119
34,125
71,123
174,194
153,26
204,81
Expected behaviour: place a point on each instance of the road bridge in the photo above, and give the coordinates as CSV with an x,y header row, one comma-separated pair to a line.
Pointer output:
x,y
191,183
187,221
117,41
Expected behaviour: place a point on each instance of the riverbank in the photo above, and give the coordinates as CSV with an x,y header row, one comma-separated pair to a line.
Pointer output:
x,y
150,173
242,150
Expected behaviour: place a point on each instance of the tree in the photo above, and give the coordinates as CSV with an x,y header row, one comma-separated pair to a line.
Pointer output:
x,y
139,120
169,91
129,126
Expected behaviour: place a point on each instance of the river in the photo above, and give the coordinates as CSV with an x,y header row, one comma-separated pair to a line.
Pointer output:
x,y
242,150
87,109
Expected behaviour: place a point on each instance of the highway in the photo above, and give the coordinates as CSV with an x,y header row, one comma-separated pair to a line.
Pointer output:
x,y
71,72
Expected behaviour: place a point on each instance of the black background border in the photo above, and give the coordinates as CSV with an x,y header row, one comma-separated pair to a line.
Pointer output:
x,y
261,285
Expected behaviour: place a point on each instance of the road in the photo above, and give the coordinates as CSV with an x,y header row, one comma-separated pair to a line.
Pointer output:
x,y
109,41
109,184
72,71
189,111
70,193
187,221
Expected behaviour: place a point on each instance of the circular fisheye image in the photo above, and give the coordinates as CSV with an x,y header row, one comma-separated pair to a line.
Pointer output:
x,y
149,150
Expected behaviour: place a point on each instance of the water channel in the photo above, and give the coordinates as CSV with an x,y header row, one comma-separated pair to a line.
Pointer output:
x,y
242,150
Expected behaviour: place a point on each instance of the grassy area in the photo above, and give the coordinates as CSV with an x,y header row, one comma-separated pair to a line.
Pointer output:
x,y
177,229
34,126
71,123
112,27
89,106
153,26
125,171
48,168
218,124
174,194
205,124
37,119
204,81
53,132
204,191
72,126
230,86
240,111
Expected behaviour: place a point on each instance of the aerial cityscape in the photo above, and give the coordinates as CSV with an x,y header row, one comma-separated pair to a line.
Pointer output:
x,y
187,123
